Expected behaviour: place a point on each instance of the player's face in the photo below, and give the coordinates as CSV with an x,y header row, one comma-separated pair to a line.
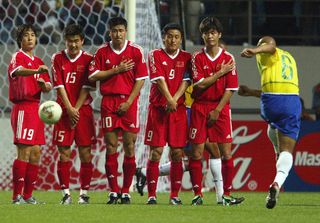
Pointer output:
x,y
28,41
118,35
211,38
172,40
74,45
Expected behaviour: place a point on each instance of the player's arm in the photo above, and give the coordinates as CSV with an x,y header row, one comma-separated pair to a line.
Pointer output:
x,y
265,45
246,91
27,72
82,98
208,81
164,90
124,66
72,112
123,107
214,114
181,90
45,86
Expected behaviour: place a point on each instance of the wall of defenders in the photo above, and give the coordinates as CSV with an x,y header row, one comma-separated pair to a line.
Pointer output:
x,y
189,110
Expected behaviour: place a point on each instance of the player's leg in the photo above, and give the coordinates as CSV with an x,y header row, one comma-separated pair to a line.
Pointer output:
x,y
286,119
273,137
85,137
111,166
215,167
176,173
28,135
63,171
86,170
129,164
164,170
283,166
228,175
32,175
19,169
197,136
177,137
195,169
153,172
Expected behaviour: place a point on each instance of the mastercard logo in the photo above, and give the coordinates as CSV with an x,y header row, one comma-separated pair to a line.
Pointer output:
x,y
307,158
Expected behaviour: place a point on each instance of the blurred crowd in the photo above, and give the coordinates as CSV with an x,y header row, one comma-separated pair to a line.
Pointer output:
x,y
51,16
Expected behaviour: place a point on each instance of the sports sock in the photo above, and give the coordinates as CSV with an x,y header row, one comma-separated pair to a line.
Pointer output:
x,y
85,175
195,169
164,169
215,167
227,175
112,171
129,169
144,171
18,174
152,177
64,174
176,173
283,165
30,180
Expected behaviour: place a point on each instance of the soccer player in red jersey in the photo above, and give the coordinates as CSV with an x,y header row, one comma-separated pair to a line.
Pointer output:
x,y
70,79
167,115
28,77
121,69
210,111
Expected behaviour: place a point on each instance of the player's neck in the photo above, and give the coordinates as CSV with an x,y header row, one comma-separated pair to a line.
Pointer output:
x,y
171,52
118,46
28,52
212,50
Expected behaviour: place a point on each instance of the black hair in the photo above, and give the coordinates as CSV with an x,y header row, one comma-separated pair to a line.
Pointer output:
x,y
171,26
20,31
72,30
117,21
210,22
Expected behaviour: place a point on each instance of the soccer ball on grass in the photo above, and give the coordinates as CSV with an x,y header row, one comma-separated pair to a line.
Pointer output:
x,y
50,112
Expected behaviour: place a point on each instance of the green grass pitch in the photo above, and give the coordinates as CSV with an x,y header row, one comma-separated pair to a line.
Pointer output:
x,y
291,207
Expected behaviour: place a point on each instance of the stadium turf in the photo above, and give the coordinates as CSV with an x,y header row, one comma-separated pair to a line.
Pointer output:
x,y
292,207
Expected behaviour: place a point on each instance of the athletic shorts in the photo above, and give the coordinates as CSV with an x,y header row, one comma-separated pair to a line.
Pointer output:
x,y
128,122
188,148
220,131
282,112
166,127
83,133
27,127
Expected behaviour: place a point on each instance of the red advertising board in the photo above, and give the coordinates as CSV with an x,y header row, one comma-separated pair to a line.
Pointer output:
x,y
254,156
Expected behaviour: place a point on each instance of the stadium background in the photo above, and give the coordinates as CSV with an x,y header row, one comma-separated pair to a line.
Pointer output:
x,y
253,154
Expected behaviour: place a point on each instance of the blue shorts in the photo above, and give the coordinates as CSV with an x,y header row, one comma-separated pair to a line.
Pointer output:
x,y
282,112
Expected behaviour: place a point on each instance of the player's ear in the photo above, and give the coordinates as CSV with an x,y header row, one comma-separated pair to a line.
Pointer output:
x,y
220,35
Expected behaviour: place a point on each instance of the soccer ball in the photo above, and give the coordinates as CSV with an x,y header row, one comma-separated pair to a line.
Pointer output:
x,y
50,112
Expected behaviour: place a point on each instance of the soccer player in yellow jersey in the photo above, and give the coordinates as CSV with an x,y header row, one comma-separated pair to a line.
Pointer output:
x,y
280,104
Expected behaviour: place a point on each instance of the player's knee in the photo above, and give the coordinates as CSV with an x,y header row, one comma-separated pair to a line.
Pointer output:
x,y
196,155
155,154
111,147
65,154
85,157
176,155
85,154
35,157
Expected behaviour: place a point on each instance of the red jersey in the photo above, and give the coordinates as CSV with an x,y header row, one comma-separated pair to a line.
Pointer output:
x,y
72,75
107,58
173,69
25,88
203,65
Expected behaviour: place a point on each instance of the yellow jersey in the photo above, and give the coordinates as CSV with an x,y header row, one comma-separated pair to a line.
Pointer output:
x,y
278,73
188,97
